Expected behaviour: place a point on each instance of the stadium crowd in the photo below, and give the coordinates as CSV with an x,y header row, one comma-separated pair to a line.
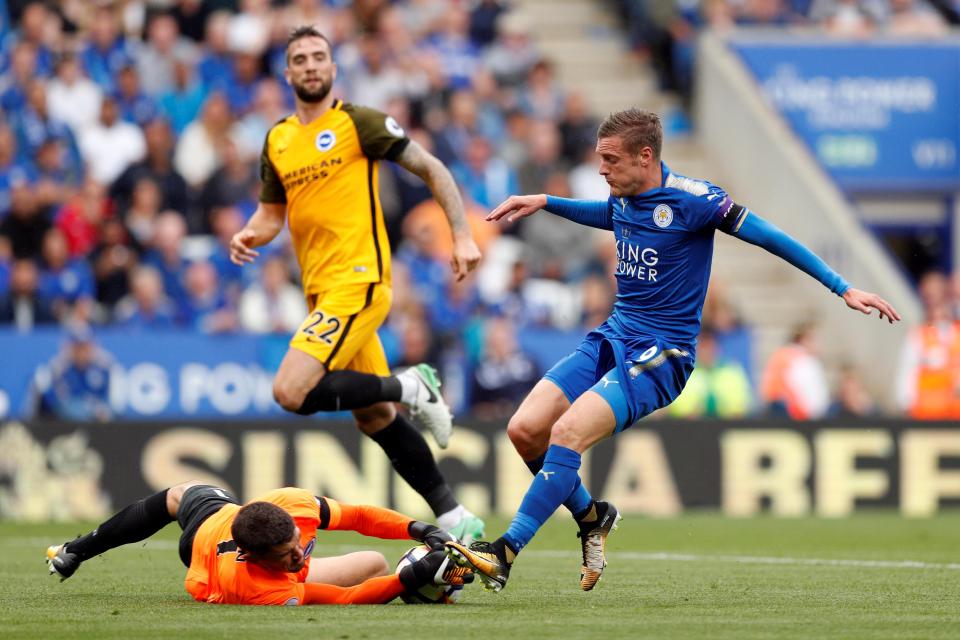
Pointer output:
x,y
130,140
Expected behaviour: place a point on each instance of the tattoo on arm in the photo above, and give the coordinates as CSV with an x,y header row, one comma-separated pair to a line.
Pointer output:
x,y
420,162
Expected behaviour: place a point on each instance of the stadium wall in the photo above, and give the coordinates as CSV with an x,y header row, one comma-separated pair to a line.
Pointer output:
x,y
72,471
771,170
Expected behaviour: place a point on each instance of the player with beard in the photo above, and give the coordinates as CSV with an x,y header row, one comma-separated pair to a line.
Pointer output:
x,y
319,171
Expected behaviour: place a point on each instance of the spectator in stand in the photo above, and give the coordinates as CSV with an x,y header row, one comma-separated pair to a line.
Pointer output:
x,y
586,183
181,104
452,45
268,108
134,105
68,284
852,18
146,307
158,166
483,21
513,54
234,183
140,219
166,257
241,87
206,307
505,373
13,169
107,51
928,383
224,223
453,140
61,167
274,304
23,306
485,178
23,71
717,388
112,260
25,223
374,79
794,382
852,398
597,295
578,129
543,160
112,145
540,96
43,29
75,385
71,97
80,217
215,62
157,56
197,154
914,18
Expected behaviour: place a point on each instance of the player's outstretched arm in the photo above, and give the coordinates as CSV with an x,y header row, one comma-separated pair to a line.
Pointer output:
x,y
418,161
591,213
755,230
266,222
379,590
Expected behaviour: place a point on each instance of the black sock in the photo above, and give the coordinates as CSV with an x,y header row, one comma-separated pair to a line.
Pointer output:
x,y
411,457
536,464
504,550
133,523
344,390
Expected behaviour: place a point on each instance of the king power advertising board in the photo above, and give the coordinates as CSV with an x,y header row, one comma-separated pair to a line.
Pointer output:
x,y
70,471
880,116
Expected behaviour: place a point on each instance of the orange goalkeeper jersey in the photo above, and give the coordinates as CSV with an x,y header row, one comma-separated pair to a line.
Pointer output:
x,y
220,574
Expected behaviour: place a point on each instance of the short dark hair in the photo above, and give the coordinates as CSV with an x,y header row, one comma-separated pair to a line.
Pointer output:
x,y
637,128
260,526
305,31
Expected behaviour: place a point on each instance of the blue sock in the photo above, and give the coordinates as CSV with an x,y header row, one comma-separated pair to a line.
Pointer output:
x,y
578,502
552,485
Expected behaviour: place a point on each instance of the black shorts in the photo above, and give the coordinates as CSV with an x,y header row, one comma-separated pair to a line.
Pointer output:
x,y
198,503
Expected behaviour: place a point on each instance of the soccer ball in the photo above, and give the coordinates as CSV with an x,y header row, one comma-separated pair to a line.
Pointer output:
x,y
429,593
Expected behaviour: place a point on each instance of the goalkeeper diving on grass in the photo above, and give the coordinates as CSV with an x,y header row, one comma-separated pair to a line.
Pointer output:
x,y
259,553
639,359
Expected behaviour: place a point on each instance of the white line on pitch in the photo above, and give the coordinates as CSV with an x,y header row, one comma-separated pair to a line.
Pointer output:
x,y
661,556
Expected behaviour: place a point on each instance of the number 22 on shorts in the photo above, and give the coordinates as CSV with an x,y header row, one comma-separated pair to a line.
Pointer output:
x,y
319,326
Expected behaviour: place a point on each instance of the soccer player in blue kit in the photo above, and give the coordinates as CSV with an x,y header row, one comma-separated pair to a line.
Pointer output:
x,y
640,358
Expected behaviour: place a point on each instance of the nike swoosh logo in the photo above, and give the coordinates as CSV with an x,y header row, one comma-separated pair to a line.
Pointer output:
x,y
433,396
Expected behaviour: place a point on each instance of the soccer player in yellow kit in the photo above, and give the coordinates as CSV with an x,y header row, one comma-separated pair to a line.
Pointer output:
x,y
319,170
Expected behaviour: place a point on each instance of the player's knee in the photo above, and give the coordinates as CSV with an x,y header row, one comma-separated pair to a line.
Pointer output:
x,y
567,433
288,398
175,496
378,565
526,435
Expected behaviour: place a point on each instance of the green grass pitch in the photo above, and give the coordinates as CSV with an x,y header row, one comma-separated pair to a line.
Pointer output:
x,y
699,576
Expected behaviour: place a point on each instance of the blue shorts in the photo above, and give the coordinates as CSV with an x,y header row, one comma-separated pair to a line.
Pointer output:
x,y
636,376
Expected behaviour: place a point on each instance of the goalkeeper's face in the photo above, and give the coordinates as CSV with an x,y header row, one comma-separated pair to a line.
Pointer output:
x,y
287,556
310,69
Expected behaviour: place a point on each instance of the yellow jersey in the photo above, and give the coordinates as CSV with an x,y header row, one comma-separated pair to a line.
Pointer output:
x,y
326,172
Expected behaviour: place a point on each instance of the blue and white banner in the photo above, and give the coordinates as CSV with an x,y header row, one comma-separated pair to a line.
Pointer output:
x,y
878,115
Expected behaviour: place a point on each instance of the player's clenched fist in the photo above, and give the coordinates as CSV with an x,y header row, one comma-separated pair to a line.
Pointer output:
x,y
241,250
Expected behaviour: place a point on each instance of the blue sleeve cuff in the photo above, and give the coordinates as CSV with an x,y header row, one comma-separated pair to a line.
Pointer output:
x,y
592,213
758,231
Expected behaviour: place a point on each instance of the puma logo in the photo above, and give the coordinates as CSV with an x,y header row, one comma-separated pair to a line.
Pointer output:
x,y
546,474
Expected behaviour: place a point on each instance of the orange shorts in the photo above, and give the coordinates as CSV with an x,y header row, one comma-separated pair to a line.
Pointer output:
x,y
341,329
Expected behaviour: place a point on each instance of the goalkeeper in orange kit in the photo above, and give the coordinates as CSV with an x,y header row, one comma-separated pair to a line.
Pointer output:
x,y
259,553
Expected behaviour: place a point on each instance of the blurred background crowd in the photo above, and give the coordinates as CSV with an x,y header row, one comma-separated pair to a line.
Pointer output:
x,y
129,145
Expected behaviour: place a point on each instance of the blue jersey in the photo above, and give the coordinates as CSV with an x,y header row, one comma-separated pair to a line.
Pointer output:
x,y
664,251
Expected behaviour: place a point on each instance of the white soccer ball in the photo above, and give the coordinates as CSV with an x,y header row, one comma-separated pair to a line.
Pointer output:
x,y
427,594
